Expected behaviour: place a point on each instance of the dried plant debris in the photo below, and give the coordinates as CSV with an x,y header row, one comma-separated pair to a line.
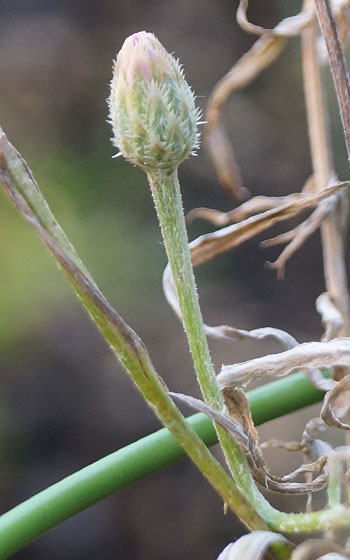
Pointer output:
x,y
239,423
317,549
310,355
288,27
330,316
271,210
257,545
336,405
217,143
263,53
208,246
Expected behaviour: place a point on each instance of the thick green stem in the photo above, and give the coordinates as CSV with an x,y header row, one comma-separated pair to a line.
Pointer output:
x,y
126,466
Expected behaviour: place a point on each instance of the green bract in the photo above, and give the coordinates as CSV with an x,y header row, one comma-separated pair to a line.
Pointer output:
x,y
152,107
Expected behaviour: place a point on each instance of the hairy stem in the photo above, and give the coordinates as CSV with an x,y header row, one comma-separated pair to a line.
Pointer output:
x,y
167,197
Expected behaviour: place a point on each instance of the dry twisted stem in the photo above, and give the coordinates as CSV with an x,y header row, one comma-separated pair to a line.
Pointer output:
x,y
263,53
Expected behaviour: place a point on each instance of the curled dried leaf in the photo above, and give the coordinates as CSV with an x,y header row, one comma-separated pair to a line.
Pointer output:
x,y
314,549
223,159
255,205
330,316
288,27
207,246
313,446
232,426
316,377
298,235
241,426
218,145
310,355
256,545
290,446
336,404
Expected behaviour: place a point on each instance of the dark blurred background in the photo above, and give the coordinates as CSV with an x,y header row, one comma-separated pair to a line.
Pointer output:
x,y
65,401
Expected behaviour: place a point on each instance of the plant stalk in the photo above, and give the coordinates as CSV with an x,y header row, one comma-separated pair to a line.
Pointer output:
x,y
167,198
125,343
331,232
124,467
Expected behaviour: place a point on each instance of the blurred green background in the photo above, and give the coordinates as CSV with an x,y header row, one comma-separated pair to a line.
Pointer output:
x,y
65,402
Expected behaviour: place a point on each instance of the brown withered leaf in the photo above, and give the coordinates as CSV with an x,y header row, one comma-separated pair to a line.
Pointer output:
x,y
255,205
259,57
221,154
209,245
298,235
216,141
289,27
330,316
310,355
231,425
315,549
243,431
256,545
290,446
318,380
312,445
336,405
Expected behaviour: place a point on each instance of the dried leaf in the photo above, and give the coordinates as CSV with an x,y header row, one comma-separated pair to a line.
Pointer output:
x,y
312,549
222,156
242,429
298,235
331,317
233,427
219,149
313,446
226,332
289,27
310,355
336,404
256,545
318,380
290,446
208,246
222,332
255,205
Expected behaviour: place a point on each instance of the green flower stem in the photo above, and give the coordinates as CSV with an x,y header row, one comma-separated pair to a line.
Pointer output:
x,y
167,198
19,185
82,489
134,462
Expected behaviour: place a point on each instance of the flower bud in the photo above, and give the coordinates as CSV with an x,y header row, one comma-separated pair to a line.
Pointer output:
x,y
152,108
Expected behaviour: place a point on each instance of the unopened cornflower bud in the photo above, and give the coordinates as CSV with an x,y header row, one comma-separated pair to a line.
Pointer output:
x,y
152,107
